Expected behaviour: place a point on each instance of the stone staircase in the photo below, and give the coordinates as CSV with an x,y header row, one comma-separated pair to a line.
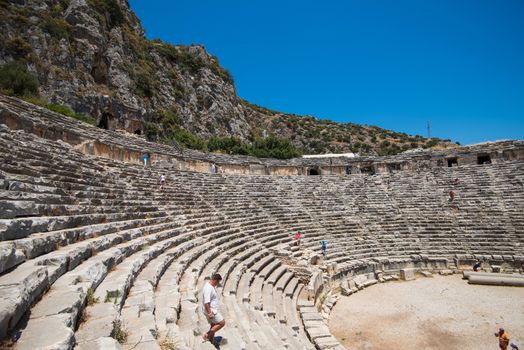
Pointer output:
x,y
92,248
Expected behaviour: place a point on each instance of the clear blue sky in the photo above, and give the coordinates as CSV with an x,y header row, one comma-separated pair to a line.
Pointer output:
x,y
396,64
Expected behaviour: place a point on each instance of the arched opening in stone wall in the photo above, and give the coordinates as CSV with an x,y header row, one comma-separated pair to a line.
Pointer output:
x,y
452,161
104,121
393,167
348,169
368,169
483,158
313,171
138,132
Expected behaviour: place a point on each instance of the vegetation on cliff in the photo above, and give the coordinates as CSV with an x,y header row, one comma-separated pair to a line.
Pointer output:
x,y
94,56
166,128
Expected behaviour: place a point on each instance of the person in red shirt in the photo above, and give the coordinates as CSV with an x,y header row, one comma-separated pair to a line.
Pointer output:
x,y
298,236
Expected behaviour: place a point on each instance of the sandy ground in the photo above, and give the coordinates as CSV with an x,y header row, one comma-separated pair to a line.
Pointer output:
x,y
428,313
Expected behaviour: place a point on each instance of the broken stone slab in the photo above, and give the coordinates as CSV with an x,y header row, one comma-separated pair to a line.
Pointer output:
x,y
65,301
10,256
99,323
318,332
311,316
19,289
141,329
53,332
446,272
313,323
328,343
426,273
495,268
305,303
103,343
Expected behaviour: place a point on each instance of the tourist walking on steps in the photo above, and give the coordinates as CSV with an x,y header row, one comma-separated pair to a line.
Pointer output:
x,y
503,339
145,158
451,196
324,247
162,181
210,309
213,168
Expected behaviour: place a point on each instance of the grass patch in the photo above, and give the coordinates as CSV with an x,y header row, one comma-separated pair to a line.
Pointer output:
x,y
56,27
119,332
90,297
64,110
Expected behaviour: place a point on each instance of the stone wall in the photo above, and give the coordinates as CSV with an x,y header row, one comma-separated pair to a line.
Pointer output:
x,y
20,115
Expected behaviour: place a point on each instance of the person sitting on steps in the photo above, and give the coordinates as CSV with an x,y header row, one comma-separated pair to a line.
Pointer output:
x,y
503,339
477,266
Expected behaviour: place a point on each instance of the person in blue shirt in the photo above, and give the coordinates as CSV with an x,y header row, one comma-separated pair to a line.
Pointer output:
x,y
324,247
145,157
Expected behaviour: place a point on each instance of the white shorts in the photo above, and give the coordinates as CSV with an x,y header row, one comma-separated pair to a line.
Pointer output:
x,y
216,319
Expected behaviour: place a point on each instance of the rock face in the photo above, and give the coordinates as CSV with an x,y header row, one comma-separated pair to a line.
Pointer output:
x,y
92,56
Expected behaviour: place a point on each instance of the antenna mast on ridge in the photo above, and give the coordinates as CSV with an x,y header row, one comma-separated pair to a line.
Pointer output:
x,y
429,130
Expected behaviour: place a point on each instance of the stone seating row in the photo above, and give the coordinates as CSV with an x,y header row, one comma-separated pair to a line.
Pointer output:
x,y
279,214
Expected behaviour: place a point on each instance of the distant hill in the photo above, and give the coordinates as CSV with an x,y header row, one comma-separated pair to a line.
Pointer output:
x,y
90,58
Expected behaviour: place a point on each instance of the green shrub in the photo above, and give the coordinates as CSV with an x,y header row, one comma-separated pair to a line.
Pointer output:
x,y
220,71
57,28
167,118
70,113
186,61
231,145
18,47
144,85
110,11
90,297
151,131
16,80
118,332
274,147
187,139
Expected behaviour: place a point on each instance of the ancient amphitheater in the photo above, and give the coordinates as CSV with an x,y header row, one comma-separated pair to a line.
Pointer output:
x,y
92,248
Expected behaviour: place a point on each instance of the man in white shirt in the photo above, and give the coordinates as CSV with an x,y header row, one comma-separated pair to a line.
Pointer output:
x,y
210,307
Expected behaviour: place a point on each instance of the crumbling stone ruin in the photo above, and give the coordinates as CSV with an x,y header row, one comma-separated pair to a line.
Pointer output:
x,y
95,255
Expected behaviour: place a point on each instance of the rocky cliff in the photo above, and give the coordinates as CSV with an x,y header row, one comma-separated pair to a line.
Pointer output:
x,y
92,56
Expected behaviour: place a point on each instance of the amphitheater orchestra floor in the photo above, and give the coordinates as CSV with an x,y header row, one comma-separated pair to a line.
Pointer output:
x,y
428,313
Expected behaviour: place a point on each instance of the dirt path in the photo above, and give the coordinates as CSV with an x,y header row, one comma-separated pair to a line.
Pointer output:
x,y
428,313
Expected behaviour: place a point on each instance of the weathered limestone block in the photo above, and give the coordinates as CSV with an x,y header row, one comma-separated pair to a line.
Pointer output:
x,y
407,274
37,245
19,289
13,209
9,256
68,301
53,332
103,343
99,323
